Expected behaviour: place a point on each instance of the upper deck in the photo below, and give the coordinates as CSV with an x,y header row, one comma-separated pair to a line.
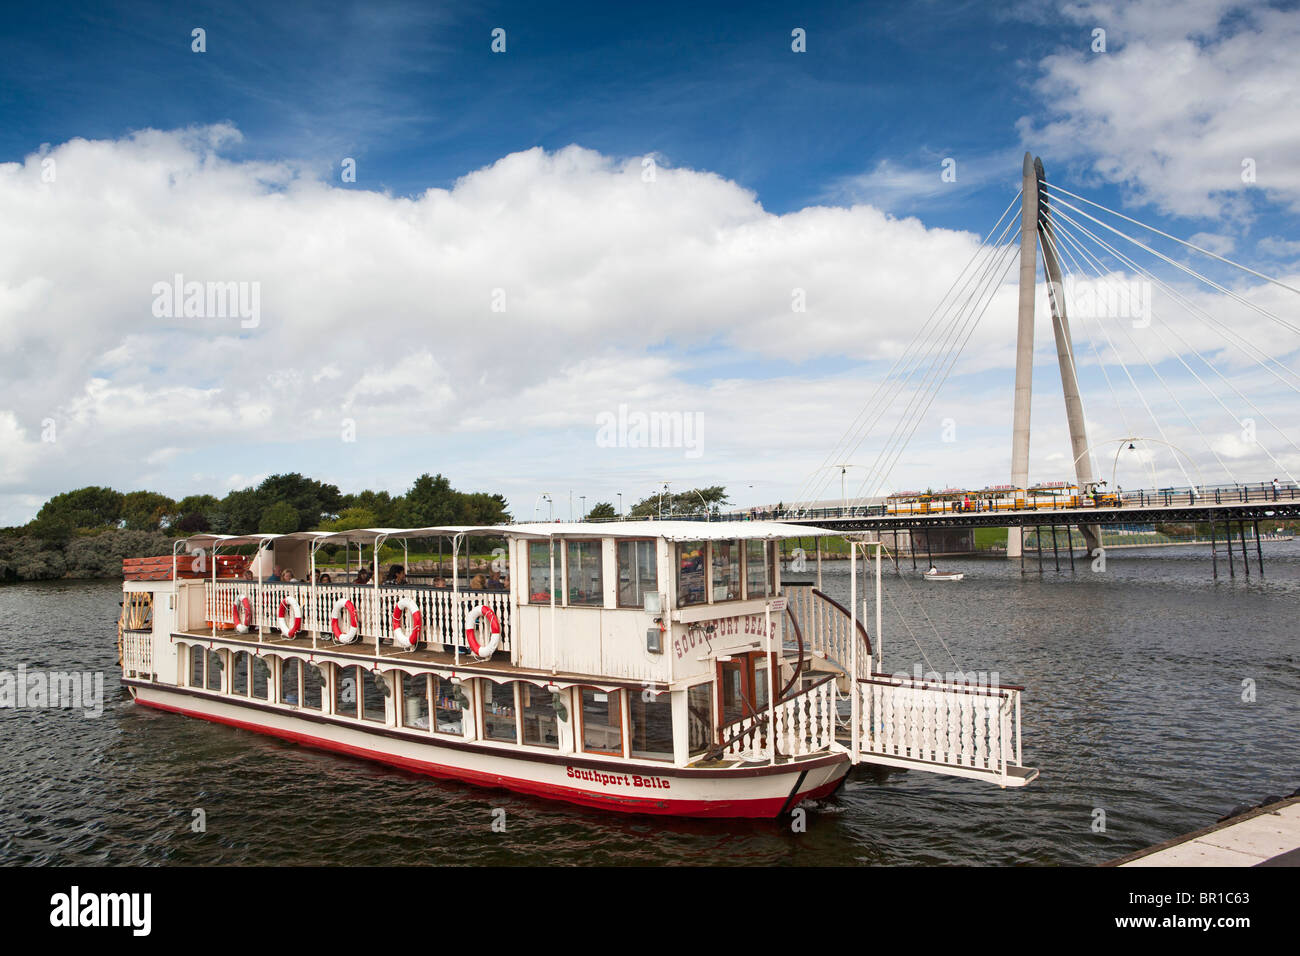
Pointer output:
x,y
642,601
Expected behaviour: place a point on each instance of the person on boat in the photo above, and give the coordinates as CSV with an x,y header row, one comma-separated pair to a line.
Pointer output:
x,y
275,576
494,582
477,583
396,575
933,570
363,576
440,582
324,579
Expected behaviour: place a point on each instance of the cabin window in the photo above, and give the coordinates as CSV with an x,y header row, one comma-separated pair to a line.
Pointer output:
x,y
372,697
347,691
214,670
313,682
499,716
758,569
699,714
261,670
690,574
415,701
638,572
290,680
762,683
447,697
726,570
651,726
539,572
537,708
197,657
239,674
586,581
602,721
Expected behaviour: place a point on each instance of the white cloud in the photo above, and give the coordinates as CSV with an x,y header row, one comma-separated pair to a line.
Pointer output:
x,y
1187,92
668,296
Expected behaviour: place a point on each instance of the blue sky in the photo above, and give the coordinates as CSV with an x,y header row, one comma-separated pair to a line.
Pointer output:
x,y
818,170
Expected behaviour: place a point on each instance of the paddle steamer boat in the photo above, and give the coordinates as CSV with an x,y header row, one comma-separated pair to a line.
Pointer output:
x,y
661,667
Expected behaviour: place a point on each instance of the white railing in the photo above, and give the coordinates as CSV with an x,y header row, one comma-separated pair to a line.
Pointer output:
x,y
137,653
805,724
827,628
964,729
374,606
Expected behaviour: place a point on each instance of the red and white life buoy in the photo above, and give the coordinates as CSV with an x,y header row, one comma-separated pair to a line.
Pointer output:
x,y
242,613
471,631
401,637
342,635
289,617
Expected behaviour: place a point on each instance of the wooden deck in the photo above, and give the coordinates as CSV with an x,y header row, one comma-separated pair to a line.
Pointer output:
x,y
364,652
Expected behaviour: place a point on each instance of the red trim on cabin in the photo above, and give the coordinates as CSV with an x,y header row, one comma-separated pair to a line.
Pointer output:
x,y
763,807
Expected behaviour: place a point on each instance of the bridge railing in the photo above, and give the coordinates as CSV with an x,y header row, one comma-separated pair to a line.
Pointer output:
x,y
1254,492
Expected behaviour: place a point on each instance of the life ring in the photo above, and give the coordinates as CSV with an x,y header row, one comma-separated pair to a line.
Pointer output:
x,y
400,637
243,613
340,635
471,631
284,617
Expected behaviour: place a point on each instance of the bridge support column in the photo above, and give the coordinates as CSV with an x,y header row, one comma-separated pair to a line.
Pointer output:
x,y
1259,551
1245,555
1214,549
1024,342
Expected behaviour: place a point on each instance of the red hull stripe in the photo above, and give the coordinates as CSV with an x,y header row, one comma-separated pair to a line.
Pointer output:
x,y
762,807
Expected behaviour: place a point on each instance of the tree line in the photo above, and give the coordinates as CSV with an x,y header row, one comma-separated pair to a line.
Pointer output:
x,y
86,532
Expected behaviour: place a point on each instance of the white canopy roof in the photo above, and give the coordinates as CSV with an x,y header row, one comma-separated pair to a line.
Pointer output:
x,y
677,530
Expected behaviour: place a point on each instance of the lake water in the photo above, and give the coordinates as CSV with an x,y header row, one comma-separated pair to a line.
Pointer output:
x,y
1133,706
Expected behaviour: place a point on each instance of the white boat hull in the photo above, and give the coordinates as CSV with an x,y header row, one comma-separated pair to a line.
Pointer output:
x,y
663,789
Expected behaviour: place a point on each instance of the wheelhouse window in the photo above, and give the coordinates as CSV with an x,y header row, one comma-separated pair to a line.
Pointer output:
x,y
758,569
539,572
415,701
347,691
602,721
290,680
638,572
726,570
541,723
585,578
499,715
448,718
651,726
691,564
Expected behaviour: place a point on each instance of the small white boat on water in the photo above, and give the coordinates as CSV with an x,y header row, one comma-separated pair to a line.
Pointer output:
x,y
934,574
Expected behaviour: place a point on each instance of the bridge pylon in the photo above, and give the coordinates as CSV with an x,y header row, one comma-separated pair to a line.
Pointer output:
x,y
1035,229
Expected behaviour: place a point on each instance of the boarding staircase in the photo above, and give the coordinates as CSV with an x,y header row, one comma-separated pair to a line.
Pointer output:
x,y
907,722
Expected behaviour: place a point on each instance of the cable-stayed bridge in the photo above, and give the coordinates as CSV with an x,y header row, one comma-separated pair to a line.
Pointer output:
x,y
1208,347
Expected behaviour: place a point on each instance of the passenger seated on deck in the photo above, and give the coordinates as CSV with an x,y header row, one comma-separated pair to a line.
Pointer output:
x,y
477,583
440,582
363,577
275,576
494,582
323,579
396,574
